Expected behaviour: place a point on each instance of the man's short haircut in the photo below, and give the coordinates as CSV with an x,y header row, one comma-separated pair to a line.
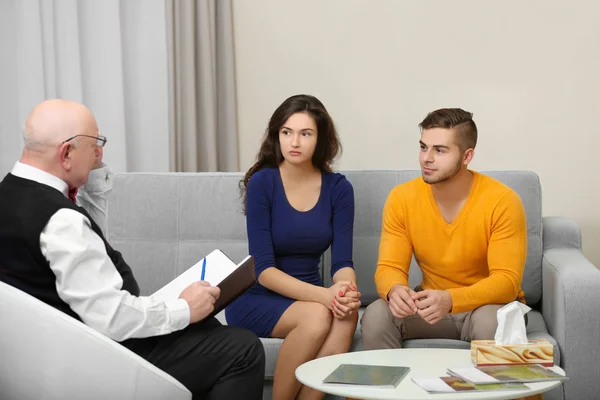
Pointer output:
x,y
461,120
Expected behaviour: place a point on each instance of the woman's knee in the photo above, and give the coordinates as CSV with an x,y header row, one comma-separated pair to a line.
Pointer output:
x,y
345,328
316,321
351,322
345,331
354,318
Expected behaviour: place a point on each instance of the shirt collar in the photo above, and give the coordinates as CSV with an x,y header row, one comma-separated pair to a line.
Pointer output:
x,y
26,171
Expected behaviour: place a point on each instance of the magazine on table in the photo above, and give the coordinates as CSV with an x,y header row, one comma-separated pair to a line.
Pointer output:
x,y
368,375
506,374
453,384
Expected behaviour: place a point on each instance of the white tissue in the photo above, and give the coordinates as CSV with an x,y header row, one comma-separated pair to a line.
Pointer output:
x,y
511,324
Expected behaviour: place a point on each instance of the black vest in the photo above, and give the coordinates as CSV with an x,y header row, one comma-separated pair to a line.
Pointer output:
x,y
26,207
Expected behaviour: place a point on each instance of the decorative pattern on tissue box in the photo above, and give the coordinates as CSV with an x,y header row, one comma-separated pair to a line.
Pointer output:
x,y
487,352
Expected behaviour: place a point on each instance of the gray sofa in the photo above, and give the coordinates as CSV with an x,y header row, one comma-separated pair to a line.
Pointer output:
x,y
164,223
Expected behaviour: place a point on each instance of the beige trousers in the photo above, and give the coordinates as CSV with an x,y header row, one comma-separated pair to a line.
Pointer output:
x,y
381,330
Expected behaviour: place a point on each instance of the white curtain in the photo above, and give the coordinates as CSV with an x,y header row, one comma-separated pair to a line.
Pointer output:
x,y
111,55
157,74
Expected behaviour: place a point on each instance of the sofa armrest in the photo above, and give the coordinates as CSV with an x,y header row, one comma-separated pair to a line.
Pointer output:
x,y
47,354
570,299
560,233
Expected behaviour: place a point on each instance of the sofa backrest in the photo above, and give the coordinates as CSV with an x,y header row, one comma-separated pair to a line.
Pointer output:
x,y
164,223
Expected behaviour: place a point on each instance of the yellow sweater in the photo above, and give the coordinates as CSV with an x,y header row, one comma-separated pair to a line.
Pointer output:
x,y
479,258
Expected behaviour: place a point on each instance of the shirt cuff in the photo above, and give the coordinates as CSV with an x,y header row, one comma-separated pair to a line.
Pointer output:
x,y
179,310
99,180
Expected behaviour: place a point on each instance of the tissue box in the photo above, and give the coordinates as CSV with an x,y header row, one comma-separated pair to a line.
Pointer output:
x,y
487,352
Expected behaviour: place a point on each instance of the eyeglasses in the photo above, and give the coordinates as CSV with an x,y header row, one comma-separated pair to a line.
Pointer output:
x,y
100,140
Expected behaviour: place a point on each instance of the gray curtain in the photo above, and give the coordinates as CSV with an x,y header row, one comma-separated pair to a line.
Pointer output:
x,y
202,86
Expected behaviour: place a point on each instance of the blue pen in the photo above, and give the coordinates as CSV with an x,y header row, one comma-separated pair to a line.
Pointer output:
x,y
203,269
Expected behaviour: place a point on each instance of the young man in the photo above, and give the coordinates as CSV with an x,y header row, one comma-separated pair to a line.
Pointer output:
x,y
468,234
53,250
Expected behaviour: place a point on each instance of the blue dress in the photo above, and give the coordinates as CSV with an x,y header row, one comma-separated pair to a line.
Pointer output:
x,y
293,241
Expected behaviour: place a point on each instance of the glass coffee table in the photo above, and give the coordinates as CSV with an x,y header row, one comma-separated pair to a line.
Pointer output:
x,y
423,363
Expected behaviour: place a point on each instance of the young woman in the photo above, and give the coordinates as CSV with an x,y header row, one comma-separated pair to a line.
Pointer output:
x,y
296,208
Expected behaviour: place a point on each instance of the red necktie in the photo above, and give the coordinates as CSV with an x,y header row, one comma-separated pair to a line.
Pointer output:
x,y
73,194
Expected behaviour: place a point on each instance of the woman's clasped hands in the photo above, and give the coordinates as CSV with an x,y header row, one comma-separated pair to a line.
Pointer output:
x,y
345,299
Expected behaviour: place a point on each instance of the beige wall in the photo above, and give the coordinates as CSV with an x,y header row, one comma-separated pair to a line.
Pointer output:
x,y
529,71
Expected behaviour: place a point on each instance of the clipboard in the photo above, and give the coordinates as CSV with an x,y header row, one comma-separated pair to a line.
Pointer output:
x,y
232,287
233,279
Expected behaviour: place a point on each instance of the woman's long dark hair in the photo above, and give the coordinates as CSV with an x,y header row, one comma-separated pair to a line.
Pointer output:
x,y
270,156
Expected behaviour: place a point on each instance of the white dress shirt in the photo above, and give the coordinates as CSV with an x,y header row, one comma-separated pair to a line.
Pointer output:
x,y
86,278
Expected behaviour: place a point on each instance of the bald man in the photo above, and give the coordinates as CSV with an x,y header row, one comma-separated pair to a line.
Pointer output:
x,y
45,126
53,249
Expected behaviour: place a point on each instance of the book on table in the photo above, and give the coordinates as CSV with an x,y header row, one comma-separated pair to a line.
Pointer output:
x,y
367,375
506,374
452,384
219,270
